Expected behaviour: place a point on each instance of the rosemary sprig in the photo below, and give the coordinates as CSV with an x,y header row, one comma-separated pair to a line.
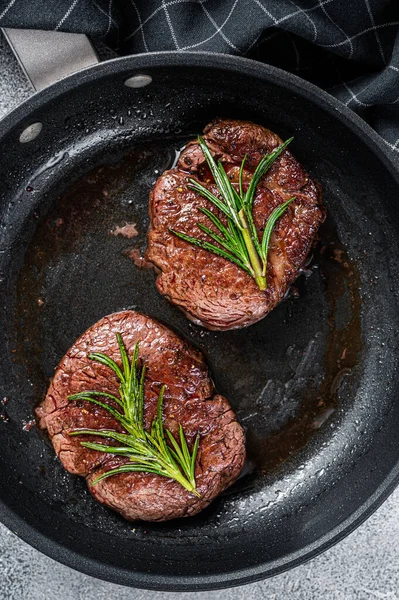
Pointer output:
x,y
147,451
238,239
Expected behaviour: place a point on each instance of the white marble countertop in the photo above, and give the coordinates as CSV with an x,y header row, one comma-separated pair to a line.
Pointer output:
x,y
364,565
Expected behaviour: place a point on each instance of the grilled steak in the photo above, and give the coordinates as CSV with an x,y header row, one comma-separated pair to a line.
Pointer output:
x,y
190,400
211,290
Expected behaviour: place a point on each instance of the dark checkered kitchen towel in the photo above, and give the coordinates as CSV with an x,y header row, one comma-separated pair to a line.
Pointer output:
x,y
348,47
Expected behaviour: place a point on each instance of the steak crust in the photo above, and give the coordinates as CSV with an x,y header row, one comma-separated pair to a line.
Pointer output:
x,y
212,291
190,400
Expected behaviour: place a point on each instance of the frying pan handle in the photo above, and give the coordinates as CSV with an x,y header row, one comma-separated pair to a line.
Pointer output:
x,y
47,56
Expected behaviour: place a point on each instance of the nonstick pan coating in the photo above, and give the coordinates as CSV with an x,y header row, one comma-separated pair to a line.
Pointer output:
x,y
315,384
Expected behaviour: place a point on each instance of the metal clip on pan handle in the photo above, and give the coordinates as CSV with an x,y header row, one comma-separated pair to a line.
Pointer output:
x,y
47,56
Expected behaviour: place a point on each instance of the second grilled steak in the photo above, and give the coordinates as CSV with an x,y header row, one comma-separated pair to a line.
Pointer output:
x,y
211,290
190,400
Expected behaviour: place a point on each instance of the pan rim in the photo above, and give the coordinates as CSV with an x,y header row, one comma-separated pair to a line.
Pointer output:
x,y
380,149
213,60
177,583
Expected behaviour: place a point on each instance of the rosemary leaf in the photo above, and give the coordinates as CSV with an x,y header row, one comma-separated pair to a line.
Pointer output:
x,y
240,175
177,451
117,450
229,192
203,191
115,413
211,164
276,214
108,362
124,357
218,223
194,455
183,445
261,170
223,242
127,469
221,180
211,247
94,394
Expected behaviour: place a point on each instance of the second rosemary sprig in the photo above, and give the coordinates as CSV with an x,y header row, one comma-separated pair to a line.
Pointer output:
x,y
146,451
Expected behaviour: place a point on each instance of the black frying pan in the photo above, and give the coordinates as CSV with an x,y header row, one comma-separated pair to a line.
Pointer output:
x,y
315,383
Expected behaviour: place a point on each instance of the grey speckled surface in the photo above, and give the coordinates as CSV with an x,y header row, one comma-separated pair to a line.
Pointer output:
x,y
365,565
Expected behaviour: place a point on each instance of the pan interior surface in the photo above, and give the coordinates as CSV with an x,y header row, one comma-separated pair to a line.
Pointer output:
x,y
314,384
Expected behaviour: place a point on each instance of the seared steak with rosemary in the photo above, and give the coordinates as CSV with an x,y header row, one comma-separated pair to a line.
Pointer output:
x,y
165,401
228,249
